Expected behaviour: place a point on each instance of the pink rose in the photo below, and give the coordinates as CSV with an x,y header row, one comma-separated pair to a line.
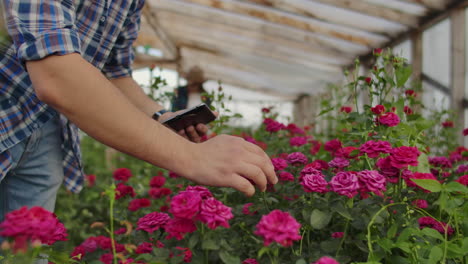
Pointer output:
x,y
202,191
332,145
339,162
297,141
272,125
326,260
386,169
186,204
337,235
285,176
279,164
420,176
123,190
346,109
214,213
294,129
372,181
278,226
137,204
345,183
374,148
157,181
178,227
420,203
246,209
463,180
91,180
465,132
404,156
378,109
144,247
250,261
157,193
389,119
440,162
297,158
314,183
122,174
152,222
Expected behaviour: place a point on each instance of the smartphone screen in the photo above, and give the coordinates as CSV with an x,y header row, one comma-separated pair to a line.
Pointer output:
x,y
196,115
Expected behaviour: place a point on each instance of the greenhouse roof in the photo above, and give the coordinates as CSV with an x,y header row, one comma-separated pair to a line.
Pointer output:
x,y
283,47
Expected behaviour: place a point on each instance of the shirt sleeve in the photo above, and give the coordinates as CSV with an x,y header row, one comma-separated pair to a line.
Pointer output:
x,y
41,28
119,63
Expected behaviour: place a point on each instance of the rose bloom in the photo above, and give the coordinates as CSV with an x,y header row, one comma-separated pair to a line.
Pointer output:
x,y
285,176
297,141
272,125
427,221
315,147
279,164
410,93
372,181
152,221
297,158
294,129
250,261
246,209
407,110
368,80
332,145
326,260
122,174
386,169
346,109
441,162
91,180
404,156
29,225
123,190
463,180
339,162
178,227
157,181
462,169
337,235
202,191
346,152
186,204
137,204
157,193
465,132
314,183
278,226
187,254
345,183
214,213
378,109
144,247
447,123
309,170
389,119
318,165
421,203
374,148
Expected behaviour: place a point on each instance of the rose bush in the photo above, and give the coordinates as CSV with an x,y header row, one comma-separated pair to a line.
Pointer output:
x,y
379,184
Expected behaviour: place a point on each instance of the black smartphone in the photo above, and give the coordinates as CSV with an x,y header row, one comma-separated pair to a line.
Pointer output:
x,y
196,115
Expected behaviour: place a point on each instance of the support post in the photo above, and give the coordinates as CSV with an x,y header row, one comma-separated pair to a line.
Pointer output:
x,y
458,52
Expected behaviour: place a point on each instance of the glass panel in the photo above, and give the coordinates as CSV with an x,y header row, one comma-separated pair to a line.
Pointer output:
x,y
436,52
404,50
434,99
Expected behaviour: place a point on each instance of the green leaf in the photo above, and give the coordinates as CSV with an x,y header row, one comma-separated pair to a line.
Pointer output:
x,y
262,251
228,258
340,209
405,246
402,75
423,163
430,232
430,185
386,244
392,231
456,187
193,241
210,244
319,219
301,261
436,255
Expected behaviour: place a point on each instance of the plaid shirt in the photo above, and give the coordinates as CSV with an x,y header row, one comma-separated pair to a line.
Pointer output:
x,y
102,31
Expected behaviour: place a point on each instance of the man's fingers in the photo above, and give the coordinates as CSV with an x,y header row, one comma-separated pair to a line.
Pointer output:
x,y
255,174
264,163
202,129
241,184
192,134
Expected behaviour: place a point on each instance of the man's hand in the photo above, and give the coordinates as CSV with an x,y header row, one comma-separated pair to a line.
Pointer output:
x,y
228,161
192,133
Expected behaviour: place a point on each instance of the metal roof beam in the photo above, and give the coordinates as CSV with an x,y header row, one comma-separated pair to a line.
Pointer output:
x,y
431,4
295,21
247,23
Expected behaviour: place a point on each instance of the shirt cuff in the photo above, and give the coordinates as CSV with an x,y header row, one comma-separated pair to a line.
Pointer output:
x,y
57,42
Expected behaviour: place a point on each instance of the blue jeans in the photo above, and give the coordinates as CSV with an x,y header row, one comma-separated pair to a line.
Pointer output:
x,y
37,171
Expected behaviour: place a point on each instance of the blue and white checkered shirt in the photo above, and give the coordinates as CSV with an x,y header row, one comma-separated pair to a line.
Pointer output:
x,y
102,31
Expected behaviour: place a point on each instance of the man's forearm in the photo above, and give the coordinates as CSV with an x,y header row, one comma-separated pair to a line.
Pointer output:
x,y
79,91
136,95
